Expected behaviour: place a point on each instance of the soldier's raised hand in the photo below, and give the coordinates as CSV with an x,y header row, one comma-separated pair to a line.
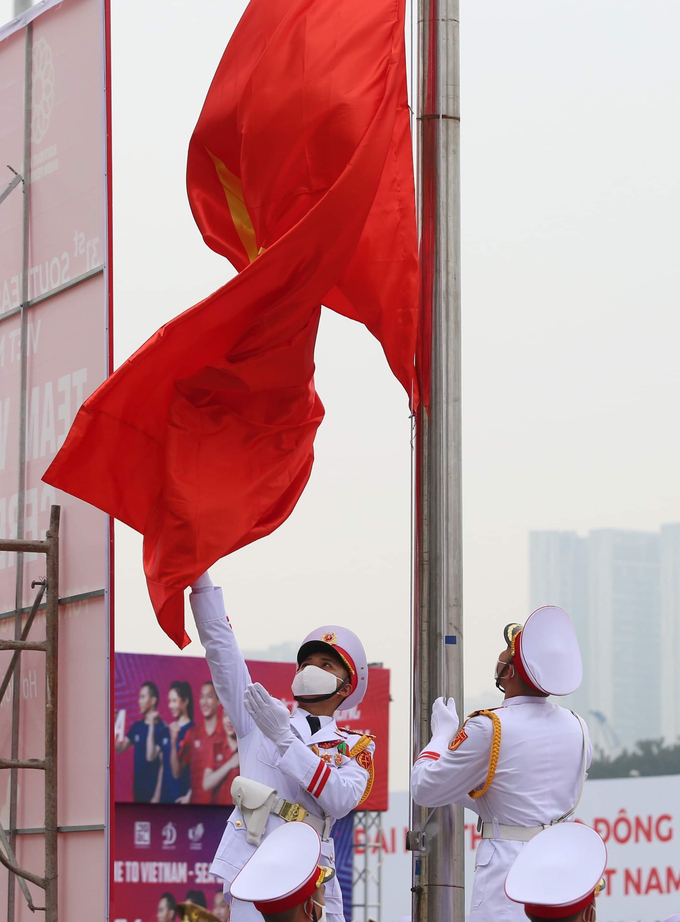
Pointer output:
x,y
445,721
270,715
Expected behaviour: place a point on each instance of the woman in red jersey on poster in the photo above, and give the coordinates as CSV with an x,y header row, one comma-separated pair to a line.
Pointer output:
x,y
225,767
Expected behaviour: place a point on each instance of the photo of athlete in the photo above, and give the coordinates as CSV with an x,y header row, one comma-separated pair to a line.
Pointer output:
x,y
166,908
221,907
197,897
147,764
175,779
197,749
218,778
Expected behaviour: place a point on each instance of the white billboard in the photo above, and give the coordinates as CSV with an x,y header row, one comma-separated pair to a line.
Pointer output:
x,y
638,818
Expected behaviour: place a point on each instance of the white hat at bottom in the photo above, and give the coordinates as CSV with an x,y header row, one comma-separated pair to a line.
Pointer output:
x,y
284,871
557,873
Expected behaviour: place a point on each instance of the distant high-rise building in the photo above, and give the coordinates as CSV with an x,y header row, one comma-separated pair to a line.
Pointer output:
x,y
559,576
624,631
622,590
670,632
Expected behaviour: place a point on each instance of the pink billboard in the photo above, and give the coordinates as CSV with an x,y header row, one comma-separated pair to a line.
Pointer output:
x,y
54,285
207,762
67,335
67,143
12,57
67,361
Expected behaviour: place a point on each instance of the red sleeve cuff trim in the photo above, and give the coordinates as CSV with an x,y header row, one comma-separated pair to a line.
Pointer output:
x,y
324,778
317,775
429,755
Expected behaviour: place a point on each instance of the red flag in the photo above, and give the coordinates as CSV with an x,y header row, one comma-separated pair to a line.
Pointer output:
x,y
300,173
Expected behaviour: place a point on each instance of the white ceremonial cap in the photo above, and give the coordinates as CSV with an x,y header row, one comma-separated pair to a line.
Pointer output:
x,y
674,918
546,652
558,872
345,644
284,871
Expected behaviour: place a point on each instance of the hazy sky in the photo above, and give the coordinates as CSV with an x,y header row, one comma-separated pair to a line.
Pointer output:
x,y
571,204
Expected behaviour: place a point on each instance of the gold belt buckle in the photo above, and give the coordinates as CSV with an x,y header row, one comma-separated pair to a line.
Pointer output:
x,y
292,813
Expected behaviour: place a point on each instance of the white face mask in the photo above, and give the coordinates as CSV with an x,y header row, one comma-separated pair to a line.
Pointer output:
x,y
321,915
312,681
506,670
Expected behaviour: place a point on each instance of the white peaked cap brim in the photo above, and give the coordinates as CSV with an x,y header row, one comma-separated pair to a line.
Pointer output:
x,y
550,652
281,865
558,867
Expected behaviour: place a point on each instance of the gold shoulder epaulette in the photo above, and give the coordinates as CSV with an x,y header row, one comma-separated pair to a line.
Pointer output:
x,y
495,748
363,743
355,732
365,760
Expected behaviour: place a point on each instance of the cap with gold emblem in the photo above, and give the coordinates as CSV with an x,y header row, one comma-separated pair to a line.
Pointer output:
x,y
346,645
284,871
192,912
558,872
546,652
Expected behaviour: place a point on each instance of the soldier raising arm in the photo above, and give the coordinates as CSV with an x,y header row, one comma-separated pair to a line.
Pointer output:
x,y
302,768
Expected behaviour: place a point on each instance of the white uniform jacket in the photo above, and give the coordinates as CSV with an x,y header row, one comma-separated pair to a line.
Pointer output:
x,y
538,778
321,785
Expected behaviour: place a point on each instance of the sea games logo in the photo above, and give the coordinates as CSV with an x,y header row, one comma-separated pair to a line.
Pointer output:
x,y
44,160
42,101
195,834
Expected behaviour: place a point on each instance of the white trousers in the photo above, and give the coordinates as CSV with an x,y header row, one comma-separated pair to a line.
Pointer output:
x,y
489,902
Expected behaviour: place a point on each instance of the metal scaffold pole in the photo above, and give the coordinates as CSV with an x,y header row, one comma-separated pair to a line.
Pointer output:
x,y
49,588
437,837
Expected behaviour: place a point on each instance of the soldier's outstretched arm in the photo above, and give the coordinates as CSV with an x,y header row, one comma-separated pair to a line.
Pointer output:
x,y
448,770
227,667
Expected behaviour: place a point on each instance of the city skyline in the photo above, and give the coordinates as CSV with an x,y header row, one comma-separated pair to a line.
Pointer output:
x,y
622,589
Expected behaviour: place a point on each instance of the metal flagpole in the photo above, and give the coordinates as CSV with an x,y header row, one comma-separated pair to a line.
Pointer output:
x,y
437,837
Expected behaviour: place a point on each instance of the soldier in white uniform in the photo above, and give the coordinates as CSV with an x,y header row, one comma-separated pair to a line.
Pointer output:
x,y
559,874
521,767
286,878
300,768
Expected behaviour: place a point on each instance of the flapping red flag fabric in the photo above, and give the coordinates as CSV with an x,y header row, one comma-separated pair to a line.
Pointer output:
x,y
300,173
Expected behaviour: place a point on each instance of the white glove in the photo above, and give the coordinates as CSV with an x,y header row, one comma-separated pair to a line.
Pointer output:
x,y
444,723
270,715
203,582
